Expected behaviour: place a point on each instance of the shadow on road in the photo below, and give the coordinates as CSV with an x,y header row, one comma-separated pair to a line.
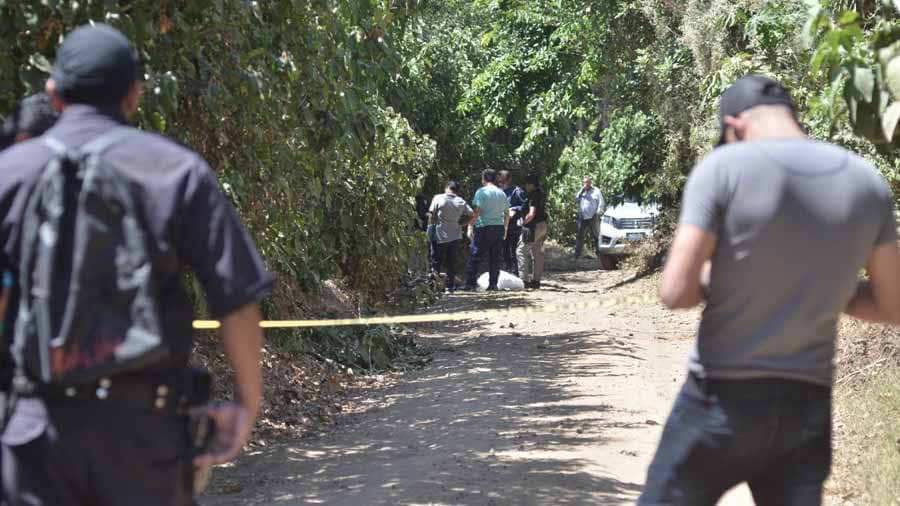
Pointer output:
x,y
488,423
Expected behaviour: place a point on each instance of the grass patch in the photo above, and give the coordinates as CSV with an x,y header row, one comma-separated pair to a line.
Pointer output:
x,y
867,456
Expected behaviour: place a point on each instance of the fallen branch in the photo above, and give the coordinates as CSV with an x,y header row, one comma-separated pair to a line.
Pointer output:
x,y
861,370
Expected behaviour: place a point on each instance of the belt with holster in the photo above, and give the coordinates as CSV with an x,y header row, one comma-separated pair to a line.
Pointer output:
x,y
164,393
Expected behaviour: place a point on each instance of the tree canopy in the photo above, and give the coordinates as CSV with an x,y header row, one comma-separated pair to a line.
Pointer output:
x,y
325,118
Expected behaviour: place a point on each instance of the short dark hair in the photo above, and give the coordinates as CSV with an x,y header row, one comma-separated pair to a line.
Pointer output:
x,y
505,175
453,186
489,175
533,179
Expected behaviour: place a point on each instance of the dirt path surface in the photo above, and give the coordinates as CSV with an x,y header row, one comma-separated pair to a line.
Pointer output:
x,y
548,409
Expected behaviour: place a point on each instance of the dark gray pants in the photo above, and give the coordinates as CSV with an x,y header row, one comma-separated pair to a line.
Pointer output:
x,y
592,227
775,435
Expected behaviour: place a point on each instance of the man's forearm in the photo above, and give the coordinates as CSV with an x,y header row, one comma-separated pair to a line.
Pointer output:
x,y
864,306
474,217
243,339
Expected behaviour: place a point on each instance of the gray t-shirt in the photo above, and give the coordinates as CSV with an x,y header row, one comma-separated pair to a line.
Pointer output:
x,y
447,210
795,222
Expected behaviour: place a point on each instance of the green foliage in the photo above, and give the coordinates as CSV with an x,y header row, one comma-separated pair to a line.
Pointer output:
x,y
286,100
367,348
628,155
863,55
325,119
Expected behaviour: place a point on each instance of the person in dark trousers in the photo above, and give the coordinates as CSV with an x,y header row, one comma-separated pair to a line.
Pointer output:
x,y
774,231
534,233
32,116
516,198
445,214
591,205
126,440
490,219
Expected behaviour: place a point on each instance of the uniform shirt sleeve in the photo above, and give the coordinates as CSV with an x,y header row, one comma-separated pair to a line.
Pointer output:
x,y
218,248
701,203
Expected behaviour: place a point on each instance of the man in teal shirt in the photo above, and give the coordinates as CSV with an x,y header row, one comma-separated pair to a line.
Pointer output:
x,y
490,219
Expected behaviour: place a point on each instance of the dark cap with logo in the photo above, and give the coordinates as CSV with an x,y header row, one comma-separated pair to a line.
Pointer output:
x,y
95,65
749,92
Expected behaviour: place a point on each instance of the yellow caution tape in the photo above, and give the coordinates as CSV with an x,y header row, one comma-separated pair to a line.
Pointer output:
x,y
599,303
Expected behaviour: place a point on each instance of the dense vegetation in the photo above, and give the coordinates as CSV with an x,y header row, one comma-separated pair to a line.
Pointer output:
x,y
326,118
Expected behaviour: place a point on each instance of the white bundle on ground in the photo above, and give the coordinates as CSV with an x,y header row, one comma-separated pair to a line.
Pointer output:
x,y
506,281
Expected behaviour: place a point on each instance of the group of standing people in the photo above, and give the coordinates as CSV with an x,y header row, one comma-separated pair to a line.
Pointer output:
x,y
508,225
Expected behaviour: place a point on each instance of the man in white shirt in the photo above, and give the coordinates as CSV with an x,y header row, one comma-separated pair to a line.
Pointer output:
x,y
590,207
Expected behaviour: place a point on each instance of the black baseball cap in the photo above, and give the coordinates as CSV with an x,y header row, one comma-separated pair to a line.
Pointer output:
x,y
749,92
95,65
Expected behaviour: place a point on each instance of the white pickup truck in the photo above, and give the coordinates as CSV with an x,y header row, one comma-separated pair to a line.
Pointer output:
x,y
622,225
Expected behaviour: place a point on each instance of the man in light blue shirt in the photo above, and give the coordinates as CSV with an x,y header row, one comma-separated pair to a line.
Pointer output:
x,y
490,219
590,208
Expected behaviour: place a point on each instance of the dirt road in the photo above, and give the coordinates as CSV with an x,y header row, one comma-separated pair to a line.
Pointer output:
x,y
554,409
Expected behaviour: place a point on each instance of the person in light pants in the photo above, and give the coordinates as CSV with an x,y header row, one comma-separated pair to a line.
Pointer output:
x,y
534,232
590,208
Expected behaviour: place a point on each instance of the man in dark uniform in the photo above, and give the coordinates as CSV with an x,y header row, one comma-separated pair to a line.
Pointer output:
x,y
126,442
517,200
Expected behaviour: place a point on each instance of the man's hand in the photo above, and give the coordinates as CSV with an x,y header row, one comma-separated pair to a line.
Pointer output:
x,y
475,214
242,337
878,300
681,286
233,424
532,213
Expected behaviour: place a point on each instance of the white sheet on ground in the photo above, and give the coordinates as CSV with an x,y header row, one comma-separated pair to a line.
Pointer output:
x,y
506,281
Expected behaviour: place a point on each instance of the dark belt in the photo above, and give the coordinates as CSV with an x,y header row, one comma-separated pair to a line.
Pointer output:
x,y
142,392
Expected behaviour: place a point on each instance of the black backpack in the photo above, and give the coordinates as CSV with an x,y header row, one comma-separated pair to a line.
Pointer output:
x,y
88,298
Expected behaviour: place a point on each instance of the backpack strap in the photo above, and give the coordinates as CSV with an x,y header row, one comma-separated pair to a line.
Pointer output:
x,y
98,178
96,147
99,145
47,199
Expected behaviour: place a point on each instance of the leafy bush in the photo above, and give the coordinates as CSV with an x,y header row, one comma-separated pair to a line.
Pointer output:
x,y
621,164
285,99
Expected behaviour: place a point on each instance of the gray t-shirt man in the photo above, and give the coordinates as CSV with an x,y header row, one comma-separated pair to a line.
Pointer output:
x,y
796,221
447,210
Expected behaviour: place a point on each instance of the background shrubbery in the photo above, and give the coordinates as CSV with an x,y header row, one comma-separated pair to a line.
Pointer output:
x,y
326,118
